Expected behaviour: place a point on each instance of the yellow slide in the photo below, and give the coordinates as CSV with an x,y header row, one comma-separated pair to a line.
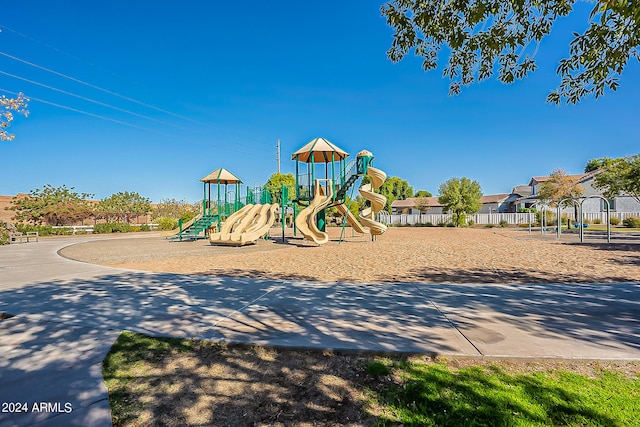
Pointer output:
x,y
306,218
247,226
351,219
378,201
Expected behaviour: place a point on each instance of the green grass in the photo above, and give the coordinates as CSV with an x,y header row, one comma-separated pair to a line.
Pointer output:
x,y
435,395
412,391
119,369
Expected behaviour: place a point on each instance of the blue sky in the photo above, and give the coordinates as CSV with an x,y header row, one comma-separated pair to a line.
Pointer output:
x,y
217,83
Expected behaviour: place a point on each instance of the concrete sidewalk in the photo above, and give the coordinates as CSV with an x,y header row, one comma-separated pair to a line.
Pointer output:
x,y
67,315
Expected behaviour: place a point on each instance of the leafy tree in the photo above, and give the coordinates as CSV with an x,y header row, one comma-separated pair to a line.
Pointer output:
x,y
173,208
595,164
52,205
395,188
561,186
422,204
423,193
120,207
274,185
7,105
481,36
461,197
622,176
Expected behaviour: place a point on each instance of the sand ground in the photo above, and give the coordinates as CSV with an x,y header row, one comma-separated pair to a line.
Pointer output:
x,y
432,255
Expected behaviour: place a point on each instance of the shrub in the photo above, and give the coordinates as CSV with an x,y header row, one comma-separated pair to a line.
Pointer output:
x,y
597,221
43,230
429,224
145,227
166,223
5,232
187,216
614,221
441,224
503,223
489,225
631,222
111,227
470,223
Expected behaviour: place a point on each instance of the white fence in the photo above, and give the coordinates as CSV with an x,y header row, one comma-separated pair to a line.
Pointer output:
x,y
492,218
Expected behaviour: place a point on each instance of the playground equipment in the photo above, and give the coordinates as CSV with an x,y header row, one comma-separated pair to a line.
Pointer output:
x,y
306,220
197,227
316,195
246,225
244,221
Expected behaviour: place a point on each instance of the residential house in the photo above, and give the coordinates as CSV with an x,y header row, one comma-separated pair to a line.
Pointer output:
x,y
494,203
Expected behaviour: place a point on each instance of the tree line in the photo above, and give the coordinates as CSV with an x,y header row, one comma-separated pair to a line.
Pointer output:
x,y
62,206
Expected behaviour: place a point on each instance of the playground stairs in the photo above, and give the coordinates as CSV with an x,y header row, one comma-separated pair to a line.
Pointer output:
x,y
196,230
352,174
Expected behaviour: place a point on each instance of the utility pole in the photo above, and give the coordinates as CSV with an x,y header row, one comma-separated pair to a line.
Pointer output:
x,y
278,155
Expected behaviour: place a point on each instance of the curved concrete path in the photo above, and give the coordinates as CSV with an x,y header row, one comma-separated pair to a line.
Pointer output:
x,y
67,314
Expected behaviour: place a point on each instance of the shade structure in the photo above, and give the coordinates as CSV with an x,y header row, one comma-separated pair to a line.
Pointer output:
x,y
321,151
221,176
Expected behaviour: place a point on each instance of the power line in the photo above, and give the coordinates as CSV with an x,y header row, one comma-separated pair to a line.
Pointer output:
x,y
105,90
98,88
89,100
98,116
86,113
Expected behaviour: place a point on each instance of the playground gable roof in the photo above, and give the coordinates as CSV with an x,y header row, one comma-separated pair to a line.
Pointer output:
x,y
320,150
221,176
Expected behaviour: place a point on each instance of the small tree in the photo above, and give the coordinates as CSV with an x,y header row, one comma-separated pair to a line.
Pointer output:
x,y
52,205
120,207
172,208
561,186
595,164
395,188
422,204
274,186
622,176
423,193
461,197
7,105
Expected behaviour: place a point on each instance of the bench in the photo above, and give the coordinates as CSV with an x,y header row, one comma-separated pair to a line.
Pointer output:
x,y
23,237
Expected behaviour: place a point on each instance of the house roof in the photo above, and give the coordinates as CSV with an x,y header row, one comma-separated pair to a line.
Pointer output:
x,y
433,201
494,198
522,190
411,202
579,178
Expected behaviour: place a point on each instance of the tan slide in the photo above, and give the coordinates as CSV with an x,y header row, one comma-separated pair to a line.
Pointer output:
x,y
229,224
261,226
306,218
351,219
378,202
247,228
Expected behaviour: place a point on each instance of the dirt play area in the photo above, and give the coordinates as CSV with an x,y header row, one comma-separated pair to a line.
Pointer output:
x,y
402,254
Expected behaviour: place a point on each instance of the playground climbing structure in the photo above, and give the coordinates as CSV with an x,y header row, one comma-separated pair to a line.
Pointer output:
x,y
315,195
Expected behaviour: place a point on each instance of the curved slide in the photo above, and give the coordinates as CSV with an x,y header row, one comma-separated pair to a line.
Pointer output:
x,y
351,219
378,201
306,218
250,224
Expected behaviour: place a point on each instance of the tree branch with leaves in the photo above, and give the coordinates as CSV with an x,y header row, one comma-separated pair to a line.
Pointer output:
x,y
7,108
485,36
